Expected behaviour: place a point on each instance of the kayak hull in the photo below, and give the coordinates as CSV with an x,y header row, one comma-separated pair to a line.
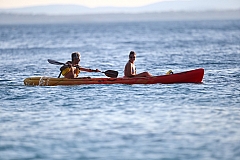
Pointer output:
x,y
192,76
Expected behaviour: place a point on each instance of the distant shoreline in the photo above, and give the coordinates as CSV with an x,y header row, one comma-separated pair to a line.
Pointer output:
x,y
10,18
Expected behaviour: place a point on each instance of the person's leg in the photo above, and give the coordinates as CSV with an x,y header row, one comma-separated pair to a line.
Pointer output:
x,y
144,74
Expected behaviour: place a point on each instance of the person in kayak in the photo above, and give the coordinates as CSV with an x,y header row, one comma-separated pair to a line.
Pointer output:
x,y
72,68
130,69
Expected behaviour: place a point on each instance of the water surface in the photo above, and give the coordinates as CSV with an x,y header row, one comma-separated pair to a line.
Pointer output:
x,y
176,121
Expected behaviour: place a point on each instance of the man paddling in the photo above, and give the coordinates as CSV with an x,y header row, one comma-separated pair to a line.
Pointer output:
x,y
130,69
72,68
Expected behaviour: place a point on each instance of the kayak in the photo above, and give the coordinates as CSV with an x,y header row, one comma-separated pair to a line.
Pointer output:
x,y
191,76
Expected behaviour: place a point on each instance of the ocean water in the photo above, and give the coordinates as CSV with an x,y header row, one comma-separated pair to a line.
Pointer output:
x,y
133,122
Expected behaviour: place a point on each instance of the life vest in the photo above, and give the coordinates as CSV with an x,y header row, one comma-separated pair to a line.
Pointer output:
x,y
77,71
66,69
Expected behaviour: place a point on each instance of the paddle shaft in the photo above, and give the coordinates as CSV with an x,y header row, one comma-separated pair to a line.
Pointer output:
x,y
108,73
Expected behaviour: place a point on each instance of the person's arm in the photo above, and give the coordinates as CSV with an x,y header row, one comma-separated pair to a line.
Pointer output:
x,y
128,70
89,70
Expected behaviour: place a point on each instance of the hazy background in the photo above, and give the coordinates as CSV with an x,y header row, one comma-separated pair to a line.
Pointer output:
x,y
88,3
34,12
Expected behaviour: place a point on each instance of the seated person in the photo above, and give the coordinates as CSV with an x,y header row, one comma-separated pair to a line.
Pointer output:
x,y
130,69
72,68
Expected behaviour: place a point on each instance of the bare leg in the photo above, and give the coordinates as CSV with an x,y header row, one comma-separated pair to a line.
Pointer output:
x,y
143,74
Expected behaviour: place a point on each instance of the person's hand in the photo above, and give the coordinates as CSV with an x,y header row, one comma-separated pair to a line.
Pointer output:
x,y
69,64
77,66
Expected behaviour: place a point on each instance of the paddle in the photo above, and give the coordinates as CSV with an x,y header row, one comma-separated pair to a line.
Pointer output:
x,y
111,73
56,62
108,73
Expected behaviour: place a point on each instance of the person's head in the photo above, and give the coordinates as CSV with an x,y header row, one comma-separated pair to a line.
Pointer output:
x,y
76,57
132,56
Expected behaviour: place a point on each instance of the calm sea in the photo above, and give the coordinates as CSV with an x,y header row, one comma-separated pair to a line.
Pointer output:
x,y
119,122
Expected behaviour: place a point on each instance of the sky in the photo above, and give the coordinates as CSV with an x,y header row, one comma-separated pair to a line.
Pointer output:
x,y
87,3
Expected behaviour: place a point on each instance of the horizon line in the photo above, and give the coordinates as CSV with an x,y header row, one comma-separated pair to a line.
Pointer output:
x,y
87,6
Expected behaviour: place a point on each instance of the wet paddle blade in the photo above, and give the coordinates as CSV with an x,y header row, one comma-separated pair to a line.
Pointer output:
x,y
111,73
55,62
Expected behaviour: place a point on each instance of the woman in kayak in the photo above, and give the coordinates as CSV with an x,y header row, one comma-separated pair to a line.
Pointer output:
x,y
130,69
72,68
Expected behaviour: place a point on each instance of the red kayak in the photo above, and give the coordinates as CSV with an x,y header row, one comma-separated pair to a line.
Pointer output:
x,y
192,76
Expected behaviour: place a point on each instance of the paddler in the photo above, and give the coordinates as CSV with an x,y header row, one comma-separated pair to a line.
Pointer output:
x,y
130,69
72,68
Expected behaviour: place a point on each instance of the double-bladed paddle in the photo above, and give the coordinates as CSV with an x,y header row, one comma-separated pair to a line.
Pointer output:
x,y
108,73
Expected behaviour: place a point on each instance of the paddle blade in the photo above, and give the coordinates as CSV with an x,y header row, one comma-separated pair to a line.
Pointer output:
x,y
111,73
55,62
